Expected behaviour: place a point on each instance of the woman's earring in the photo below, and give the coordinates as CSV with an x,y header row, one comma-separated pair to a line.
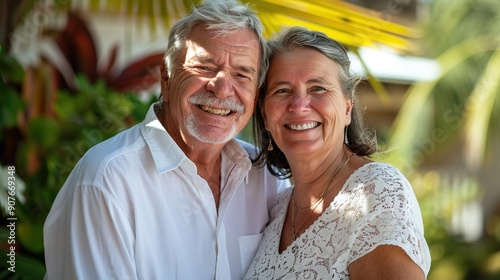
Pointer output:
x,y
346,141
270,146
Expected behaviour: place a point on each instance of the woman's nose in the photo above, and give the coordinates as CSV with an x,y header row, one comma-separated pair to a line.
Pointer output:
x,y
299,102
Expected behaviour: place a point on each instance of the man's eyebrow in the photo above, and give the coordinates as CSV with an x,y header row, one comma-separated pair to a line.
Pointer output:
x,y
247,69
202,58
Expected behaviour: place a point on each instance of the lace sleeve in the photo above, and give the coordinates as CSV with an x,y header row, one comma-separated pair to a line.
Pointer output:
x,y
390,227
393,218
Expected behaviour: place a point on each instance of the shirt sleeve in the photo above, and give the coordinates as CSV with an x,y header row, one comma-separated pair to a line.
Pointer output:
x,y
87,236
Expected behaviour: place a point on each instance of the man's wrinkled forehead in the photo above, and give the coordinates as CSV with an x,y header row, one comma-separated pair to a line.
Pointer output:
x,y
209,45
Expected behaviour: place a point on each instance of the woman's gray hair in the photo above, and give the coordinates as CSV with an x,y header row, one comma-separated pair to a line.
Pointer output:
x,y
359,140
224,16
300,37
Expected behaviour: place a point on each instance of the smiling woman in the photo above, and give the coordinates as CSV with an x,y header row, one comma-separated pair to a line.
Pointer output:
x,y
303,91
346,216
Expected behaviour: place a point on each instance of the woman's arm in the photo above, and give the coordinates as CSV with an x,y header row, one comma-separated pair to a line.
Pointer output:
x,y
385,262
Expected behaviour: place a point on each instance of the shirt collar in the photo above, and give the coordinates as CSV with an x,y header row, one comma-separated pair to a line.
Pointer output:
x,y
166,153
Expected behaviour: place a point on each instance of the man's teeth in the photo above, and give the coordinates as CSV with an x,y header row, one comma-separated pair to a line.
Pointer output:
x,y
302,126
216,111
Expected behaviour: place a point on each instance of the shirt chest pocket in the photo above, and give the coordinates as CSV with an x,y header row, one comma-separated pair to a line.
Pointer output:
x,y
248,248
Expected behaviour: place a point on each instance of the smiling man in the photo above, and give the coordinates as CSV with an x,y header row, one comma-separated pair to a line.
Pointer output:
x,y
175,197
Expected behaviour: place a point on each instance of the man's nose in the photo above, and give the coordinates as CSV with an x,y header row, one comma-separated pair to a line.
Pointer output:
x,y
221,84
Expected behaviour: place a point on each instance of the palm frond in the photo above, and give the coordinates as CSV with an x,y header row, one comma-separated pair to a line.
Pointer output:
x,y
349,24
479,110
413,112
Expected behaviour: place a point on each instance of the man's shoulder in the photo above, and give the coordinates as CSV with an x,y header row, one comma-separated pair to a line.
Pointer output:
x,y
248,147
101,154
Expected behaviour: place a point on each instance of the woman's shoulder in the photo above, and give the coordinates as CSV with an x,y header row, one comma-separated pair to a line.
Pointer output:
x,y
378,172
380,184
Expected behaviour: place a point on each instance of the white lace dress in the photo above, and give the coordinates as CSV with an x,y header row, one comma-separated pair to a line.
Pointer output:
x,y
376,206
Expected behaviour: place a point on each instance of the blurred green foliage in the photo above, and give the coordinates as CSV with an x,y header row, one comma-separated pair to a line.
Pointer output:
x,y
12,75
455,117
445,204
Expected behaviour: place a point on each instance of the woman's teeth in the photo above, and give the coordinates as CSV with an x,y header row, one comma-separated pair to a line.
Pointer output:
x,y
302,126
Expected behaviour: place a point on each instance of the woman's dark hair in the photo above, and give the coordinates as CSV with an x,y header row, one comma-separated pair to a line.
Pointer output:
x,y
360,140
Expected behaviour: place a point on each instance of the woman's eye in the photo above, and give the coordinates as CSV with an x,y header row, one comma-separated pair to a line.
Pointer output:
x,y
317,88
282,90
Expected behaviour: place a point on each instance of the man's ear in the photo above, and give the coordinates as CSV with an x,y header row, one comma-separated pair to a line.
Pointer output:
x,y
348,113
164,82
256,100
263,113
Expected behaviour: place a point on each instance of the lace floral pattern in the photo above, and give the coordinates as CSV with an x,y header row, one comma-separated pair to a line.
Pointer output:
x,y
376,206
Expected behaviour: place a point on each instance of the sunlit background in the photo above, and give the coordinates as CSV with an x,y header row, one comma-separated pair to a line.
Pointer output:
x,y
74,73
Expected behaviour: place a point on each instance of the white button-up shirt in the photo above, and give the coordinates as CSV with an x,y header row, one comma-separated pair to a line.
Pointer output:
x,y
135,208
